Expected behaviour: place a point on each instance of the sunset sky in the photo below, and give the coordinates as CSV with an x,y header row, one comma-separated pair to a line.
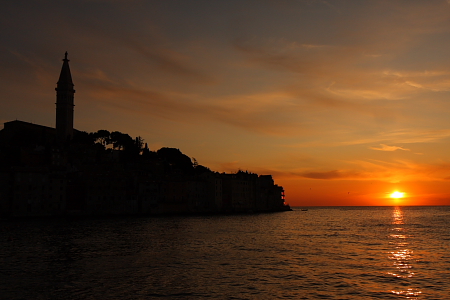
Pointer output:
x,y
343,102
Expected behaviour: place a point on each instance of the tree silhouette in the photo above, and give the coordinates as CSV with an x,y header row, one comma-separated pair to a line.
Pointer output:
x,y
102,137
121,140
176,160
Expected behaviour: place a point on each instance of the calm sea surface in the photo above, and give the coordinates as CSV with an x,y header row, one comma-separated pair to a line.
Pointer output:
x,y
322,253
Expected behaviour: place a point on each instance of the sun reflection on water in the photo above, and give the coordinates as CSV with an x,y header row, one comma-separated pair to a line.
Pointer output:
x,y
402,256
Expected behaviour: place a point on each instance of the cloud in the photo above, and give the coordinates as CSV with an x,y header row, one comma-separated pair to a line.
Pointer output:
x,y
388,148
355,62
335,174
395,171
406,136
403,170
370,169
254,112
418,135
437,80
167,59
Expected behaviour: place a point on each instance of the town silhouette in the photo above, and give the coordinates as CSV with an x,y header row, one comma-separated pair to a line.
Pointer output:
x,y
62,171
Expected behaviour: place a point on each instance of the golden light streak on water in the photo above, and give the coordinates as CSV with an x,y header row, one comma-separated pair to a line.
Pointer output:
x,y
402,257
409,293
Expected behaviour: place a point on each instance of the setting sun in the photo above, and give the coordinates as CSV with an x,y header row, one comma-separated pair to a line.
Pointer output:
x,y
397,195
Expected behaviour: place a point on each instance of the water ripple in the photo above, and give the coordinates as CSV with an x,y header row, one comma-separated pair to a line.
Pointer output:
x,y
326,253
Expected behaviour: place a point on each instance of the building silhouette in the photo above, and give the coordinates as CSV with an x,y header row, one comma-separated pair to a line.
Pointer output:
x,y
64,103
25,132
62,171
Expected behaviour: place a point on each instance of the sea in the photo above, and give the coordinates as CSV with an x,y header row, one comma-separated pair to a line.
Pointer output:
x,y
318,253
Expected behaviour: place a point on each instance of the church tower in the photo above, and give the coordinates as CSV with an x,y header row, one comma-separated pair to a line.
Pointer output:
x,y
64,103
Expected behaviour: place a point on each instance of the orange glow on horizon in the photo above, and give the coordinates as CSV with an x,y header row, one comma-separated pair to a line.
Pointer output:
x,y
362,193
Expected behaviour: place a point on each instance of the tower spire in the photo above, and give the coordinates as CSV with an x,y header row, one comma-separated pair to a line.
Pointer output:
x,y
64,102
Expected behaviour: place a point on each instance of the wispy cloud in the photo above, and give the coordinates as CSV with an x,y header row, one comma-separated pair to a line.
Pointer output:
x,y
384,171
403,170
389,148
334,174
257,113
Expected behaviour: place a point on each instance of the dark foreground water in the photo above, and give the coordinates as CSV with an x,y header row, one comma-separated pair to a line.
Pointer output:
x,y
322,253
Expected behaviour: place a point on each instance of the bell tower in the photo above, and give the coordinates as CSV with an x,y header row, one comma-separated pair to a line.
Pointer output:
x,y
64,103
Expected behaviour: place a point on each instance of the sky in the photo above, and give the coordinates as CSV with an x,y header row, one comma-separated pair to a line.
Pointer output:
x,y
343,102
